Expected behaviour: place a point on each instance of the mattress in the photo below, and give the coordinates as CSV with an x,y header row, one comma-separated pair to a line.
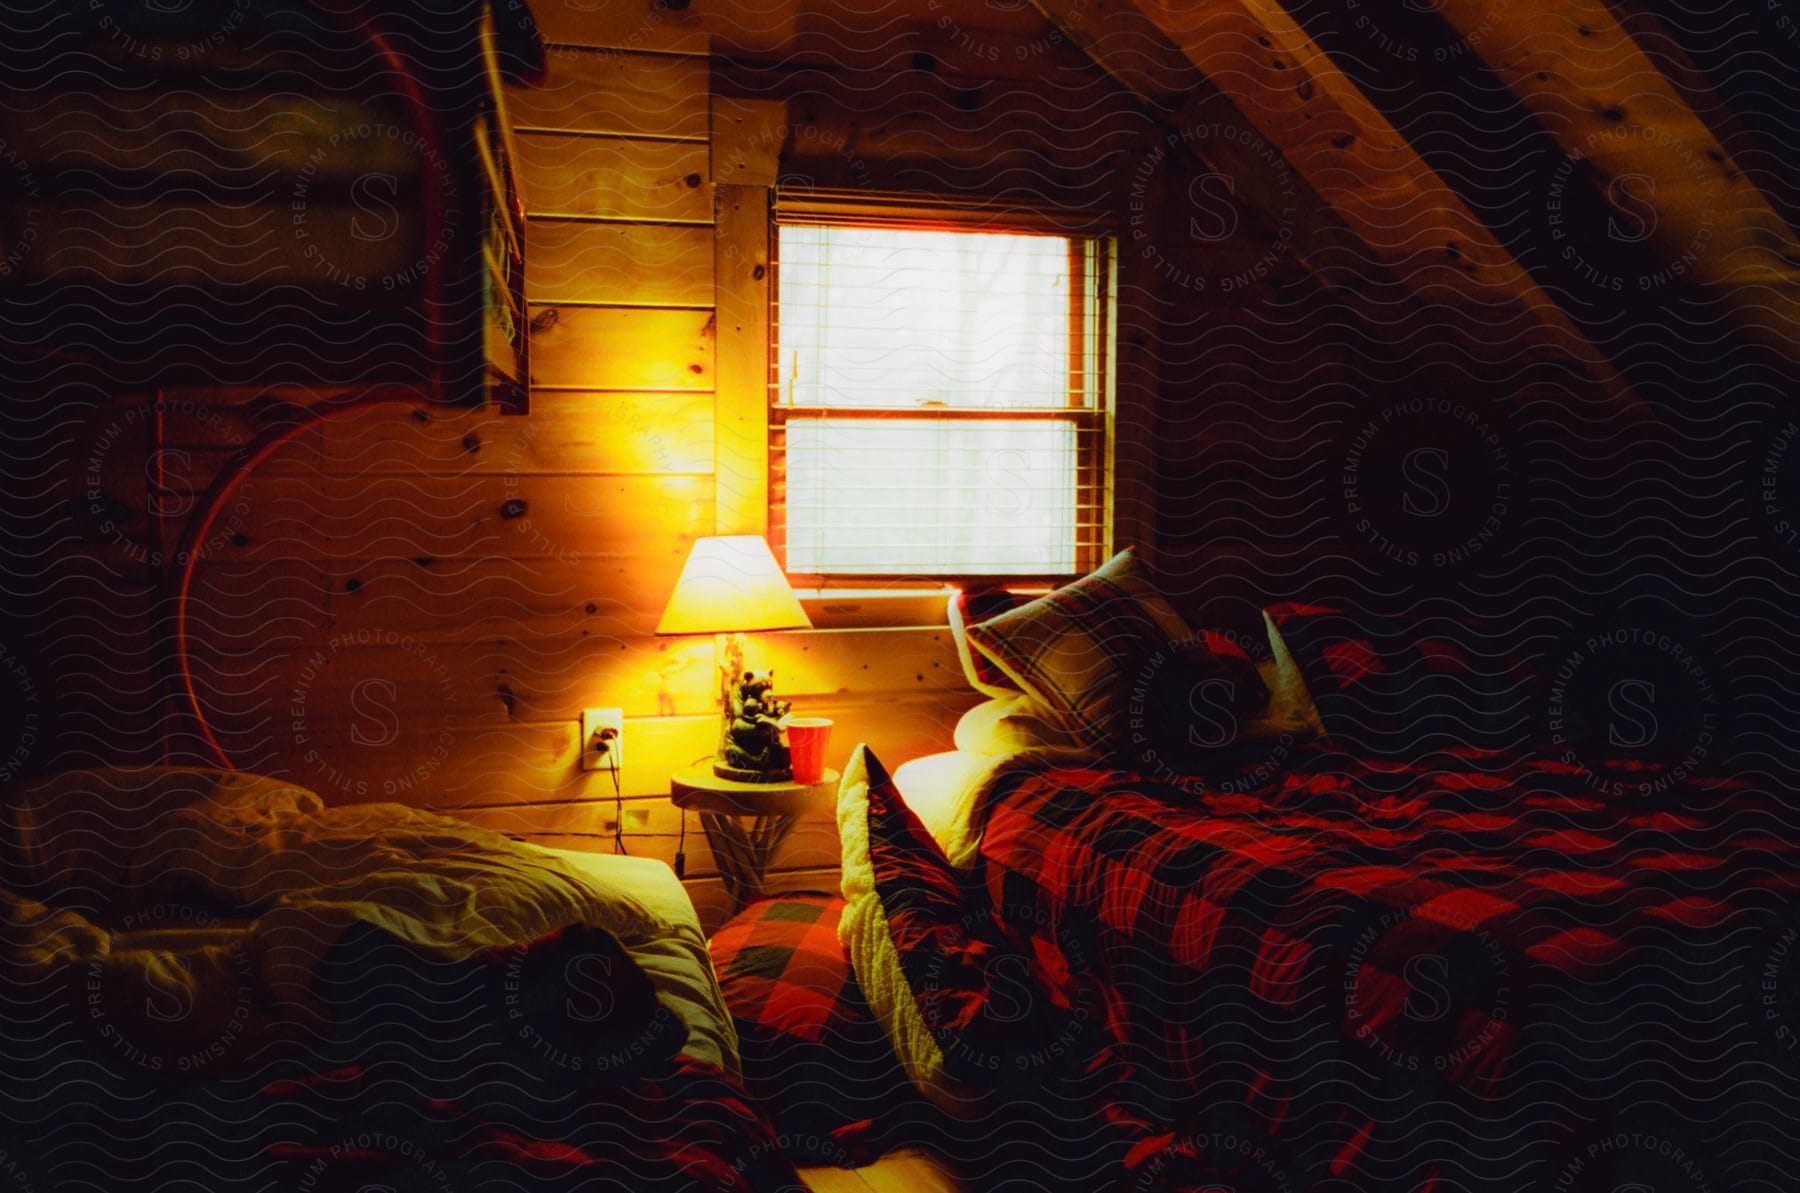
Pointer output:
x,y
676,961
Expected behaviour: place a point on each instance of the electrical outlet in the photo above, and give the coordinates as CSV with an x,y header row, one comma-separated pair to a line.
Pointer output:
x,y
608,754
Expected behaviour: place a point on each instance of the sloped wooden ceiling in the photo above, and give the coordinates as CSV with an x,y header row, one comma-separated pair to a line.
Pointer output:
x,y
1574,67
1409,224
1632,132
1404,235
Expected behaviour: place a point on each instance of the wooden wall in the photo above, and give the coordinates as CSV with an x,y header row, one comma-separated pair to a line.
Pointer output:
x,y
416,604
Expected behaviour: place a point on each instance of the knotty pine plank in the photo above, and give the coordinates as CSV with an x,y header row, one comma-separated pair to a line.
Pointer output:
x,y
503,762
206,416
279,516
383,750
562,174
741,422
1071,143
691,27
582,261
472,599
747,138
624,94
518,677
259,605
537,676
639,26
568,432
576,347
975,39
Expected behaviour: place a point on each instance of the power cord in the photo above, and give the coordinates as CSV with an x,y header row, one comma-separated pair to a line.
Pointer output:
x,y
603,745
681,842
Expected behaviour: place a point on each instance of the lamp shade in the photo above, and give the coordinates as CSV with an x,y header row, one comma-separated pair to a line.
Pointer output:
x,y
731,584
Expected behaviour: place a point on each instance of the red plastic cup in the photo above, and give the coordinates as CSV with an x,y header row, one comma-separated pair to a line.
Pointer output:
x,y
807,739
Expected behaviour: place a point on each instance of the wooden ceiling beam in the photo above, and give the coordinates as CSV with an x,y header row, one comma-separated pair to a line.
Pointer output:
x,y
1657,163
1407,223
1765,167
1201,123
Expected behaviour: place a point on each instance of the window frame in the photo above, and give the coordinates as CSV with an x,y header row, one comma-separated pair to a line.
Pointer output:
x,y
1090,395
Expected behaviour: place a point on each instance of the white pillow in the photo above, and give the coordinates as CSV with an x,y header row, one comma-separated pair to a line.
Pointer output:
x,y
1290,709
1006,725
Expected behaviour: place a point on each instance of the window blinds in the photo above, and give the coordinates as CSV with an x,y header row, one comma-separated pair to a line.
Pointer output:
x,y
937,405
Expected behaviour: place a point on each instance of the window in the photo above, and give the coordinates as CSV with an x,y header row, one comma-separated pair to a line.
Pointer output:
x,y
940,403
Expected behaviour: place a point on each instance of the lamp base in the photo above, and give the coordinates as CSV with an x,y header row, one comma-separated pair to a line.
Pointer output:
x,y
740,775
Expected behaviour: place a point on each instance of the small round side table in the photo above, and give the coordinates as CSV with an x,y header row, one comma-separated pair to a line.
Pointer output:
x,y
746,823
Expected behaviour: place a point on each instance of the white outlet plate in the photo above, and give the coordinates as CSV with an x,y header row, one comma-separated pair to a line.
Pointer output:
x,y
593,720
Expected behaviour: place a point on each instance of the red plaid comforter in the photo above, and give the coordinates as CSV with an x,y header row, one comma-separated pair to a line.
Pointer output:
x,y
1395,977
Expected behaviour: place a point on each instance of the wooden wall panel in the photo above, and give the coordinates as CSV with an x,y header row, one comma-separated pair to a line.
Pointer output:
x,y
245,606
416,604
591,91
174,243
469,598
522,775
575,347
638,25
614,178
451,516
635,264
676,26
741,423
526,675
163,130
568,432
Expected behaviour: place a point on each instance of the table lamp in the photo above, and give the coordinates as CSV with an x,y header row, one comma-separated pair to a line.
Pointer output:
x,y
731,585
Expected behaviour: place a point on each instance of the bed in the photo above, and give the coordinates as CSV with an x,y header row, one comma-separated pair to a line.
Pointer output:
x,y
1489,965
1406,976
213,981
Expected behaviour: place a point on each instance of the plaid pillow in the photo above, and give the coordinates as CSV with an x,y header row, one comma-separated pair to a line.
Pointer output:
x,y
1352,681
968,608
1192,706
815,1058
964,1012
1383,687
1075,650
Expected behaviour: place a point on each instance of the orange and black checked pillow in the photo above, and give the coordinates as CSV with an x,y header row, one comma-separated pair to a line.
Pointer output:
x,y
1076,649
1393,689
814,1057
